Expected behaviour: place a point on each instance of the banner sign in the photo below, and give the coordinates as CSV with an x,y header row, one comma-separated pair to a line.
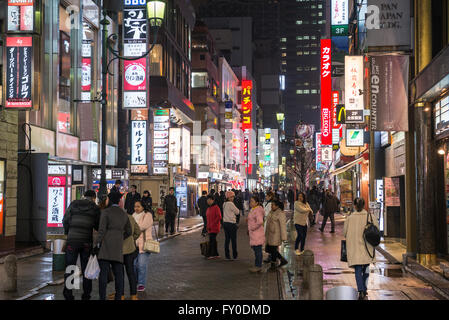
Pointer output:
x,y
388,23
392,192
341,114
320,166
56,201
162,144
138,142
389,93
354,102
135,93
185,149
247,107
19,74
355,137
20,15
326,94
175,146
340,17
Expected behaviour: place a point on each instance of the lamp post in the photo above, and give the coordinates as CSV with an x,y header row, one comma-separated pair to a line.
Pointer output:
x,y
155,15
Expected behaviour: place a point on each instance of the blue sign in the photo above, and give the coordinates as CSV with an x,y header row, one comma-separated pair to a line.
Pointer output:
x,y
135,3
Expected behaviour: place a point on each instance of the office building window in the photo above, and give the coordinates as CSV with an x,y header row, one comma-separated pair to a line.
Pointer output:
x,y
200,80
156,61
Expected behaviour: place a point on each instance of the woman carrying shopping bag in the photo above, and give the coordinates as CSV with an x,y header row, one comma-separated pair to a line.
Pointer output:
x,y
256,232
358,250
144,220
276,232
301,219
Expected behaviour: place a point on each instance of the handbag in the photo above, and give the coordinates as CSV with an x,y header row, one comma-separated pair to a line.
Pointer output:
x,y
371,235
343,252
204,248
151,246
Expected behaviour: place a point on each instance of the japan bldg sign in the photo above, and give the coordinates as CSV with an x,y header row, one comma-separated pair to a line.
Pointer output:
x,y
326,92
139,145
18,88
340,17
247,107
20,16
56,202
354,99
135,93
162,146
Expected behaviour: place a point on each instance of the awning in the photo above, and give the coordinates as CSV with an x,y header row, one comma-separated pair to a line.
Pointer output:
x,y
346,167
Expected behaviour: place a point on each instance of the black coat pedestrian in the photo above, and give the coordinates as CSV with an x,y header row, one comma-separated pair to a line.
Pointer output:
x,y
114,228
81,218
330,204
202,204
148,202
170,205
130,201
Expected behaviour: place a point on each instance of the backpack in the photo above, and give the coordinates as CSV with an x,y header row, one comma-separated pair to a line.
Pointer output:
x,y
371,234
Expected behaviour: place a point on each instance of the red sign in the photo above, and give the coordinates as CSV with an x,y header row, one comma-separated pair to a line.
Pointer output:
x,y
247,125
57,181
56,201
86,79
135,75
326,92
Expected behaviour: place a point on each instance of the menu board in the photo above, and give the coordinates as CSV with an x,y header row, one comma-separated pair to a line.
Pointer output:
x,y
392,192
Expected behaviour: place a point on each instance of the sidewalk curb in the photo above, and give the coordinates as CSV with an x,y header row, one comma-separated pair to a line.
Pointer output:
x,y
387,255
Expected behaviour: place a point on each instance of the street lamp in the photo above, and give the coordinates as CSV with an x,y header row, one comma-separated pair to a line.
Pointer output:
x,y
155,12
280,117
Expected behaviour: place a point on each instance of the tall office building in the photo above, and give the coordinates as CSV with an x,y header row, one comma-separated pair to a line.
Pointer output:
x,y
304,24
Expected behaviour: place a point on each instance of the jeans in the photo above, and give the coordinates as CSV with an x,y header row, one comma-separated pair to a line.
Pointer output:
x,y
117,270
71,256
141,267
258,254
326,216
301,236
361,277
230,230
170,222
213,251
274,253
128,261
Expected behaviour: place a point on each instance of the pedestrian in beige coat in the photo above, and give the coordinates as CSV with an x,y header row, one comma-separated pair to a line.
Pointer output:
x,y
276,233
358,252
301,219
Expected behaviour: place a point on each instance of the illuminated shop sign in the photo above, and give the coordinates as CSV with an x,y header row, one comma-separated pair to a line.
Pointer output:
x,y
20,15
326,92
138,142
162,142
340,17
247,107
19,74
56,201
354,103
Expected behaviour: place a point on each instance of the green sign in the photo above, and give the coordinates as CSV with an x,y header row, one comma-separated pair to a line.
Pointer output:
x,y
341,30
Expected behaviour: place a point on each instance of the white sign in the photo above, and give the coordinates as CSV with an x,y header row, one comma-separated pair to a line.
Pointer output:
x,y
134,49
160,157
135,100
161,119
354,137
339,12
57,170
326,154
55,205
160,170
86,50
354,103
175,146
335,136
160,143
161,126
186,149
160,150
138,142
160,134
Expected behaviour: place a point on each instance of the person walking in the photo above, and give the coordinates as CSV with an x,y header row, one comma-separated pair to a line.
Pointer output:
x,y
301,219
171,209
213,226
202,204
221,200
114,227
330,207
147,201
359,251
246,198
314,203
144,220
276,233
256,232
81,218
291,199
238,201
117,186
262,196
131,198
230,214
267,207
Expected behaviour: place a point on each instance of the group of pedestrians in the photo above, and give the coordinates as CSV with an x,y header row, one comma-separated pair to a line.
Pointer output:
x,y
119,243
266,225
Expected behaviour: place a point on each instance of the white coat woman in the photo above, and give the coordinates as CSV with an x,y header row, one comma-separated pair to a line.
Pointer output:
x,y
360,254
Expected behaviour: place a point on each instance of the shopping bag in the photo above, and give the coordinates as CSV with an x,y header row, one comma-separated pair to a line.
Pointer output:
x,y
151,246
93,268
343,253
204,248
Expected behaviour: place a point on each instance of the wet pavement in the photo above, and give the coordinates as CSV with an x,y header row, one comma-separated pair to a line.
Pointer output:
x,y
180,272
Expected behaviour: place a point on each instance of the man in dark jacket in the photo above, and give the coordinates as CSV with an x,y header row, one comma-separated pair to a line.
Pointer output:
x,y
202,204
261,196
171,209
238,202
131,199
116,187
114,227
291,199
330,207
81,218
